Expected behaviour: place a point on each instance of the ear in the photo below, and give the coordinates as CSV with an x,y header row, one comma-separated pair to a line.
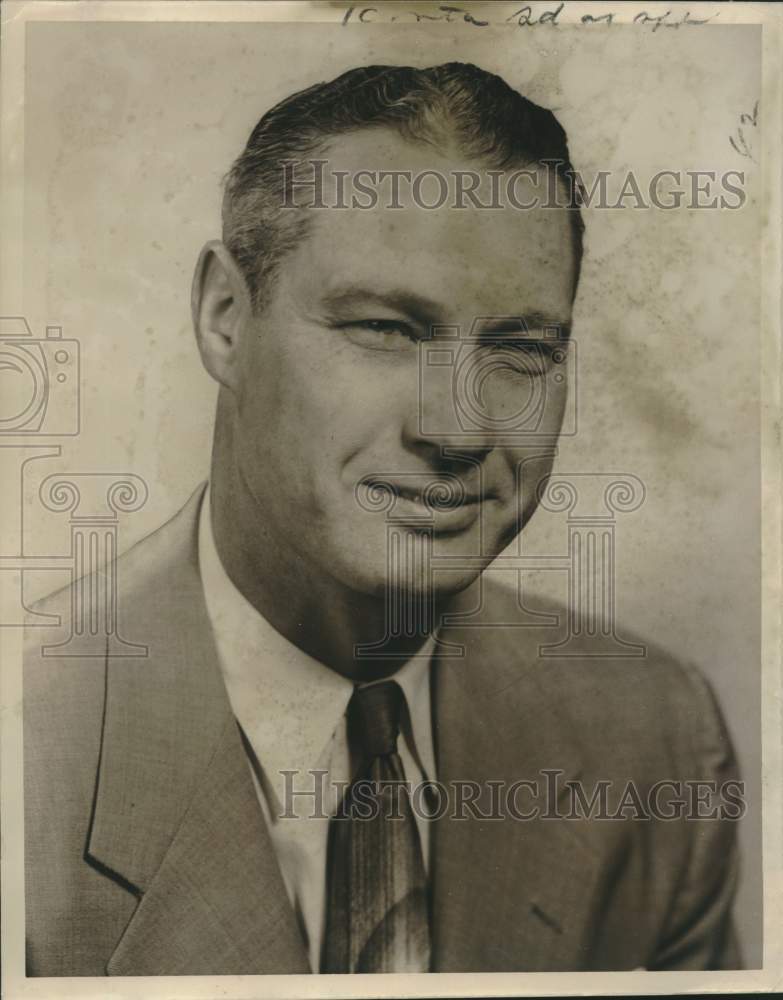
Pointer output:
x,y
220,305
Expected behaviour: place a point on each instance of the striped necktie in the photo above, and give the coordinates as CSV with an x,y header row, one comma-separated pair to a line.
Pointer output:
x,y
377,905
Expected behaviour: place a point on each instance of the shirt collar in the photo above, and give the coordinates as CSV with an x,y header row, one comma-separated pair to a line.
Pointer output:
x,y
288,703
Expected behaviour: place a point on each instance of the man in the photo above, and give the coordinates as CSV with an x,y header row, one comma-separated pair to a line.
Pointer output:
x,y
308,614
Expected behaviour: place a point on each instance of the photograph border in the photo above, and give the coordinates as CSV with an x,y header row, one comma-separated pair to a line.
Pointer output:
x,y
15,18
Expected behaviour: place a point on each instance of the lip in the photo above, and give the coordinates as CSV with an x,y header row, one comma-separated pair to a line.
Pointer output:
x,y
409,505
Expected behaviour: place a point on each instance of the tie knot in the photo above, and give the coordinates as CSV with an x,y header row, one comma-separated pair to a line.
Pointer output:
x,y
374,719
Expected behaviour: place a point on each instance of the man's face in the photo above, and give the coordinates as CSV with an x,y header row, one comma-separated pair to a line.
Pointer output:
x,y
340,427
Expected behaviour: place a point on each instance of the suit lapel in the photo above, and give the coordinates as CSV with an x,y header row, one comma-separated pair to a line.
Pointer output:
x,y
221,872
508,894
176,818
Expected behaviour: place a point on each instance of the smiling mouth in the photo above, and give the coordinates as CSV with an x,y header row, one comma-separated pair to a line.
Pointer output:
x,y
437,495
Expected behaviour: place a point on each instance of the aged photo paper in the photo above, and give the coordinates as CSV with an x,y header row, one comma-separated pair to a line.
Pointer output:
x,y
390,579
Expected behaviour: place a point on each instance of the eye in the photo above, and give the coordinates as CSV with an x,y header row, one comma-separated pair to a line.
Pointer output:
x,y
513,344
381,334
526,356
386,326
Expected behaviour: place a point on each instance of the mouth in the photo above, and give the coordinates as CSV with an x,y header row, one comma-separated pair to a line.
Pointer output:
x,y
444,504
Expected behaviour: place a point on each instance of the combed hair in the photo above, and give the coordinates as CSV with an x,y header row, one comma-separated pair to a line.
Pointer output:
x,y
452,103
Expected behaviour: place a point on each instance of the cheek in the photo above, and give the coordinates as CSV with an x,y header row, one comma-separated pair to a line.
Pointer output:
x,y
556,399
529,467
308,405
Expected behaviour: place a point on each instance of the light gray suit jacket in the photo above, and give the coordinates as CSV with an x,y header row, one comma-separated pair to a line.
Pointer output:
x,y
147,852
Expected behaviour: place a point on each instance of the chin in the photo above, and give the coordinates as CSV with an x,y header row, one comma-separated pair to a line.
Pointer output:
x,y
372,579
367,563
366,576
450,582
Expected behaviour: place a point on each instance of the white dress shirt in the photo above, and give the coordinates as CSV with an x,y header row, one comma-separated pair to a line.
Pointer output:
x,y
292,708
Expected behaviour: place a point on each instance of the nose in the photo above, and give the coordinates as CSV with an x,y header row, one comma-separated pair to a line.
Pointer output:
x,y
433,427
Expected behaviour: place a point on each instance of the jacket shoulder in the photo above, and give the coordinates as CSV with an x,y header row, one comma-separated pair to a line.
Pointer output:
x,y
64,680
74,914
652,700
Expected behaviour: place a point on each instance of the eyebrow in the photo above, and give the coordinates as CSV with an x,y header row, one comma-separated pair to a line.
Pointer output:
x,y
528,320
398,299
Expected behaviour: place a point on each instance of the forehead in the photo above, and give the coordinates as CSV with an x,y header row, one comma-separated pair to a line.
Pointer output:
x,y
470,259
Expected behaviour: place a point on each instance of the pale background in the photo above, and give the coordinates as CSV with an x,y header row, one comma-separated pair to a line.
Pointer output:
x,y
129,129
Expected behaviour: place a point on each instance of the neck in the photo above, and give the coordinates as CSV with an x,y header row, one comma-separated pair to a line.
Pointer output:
x,y
310,608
